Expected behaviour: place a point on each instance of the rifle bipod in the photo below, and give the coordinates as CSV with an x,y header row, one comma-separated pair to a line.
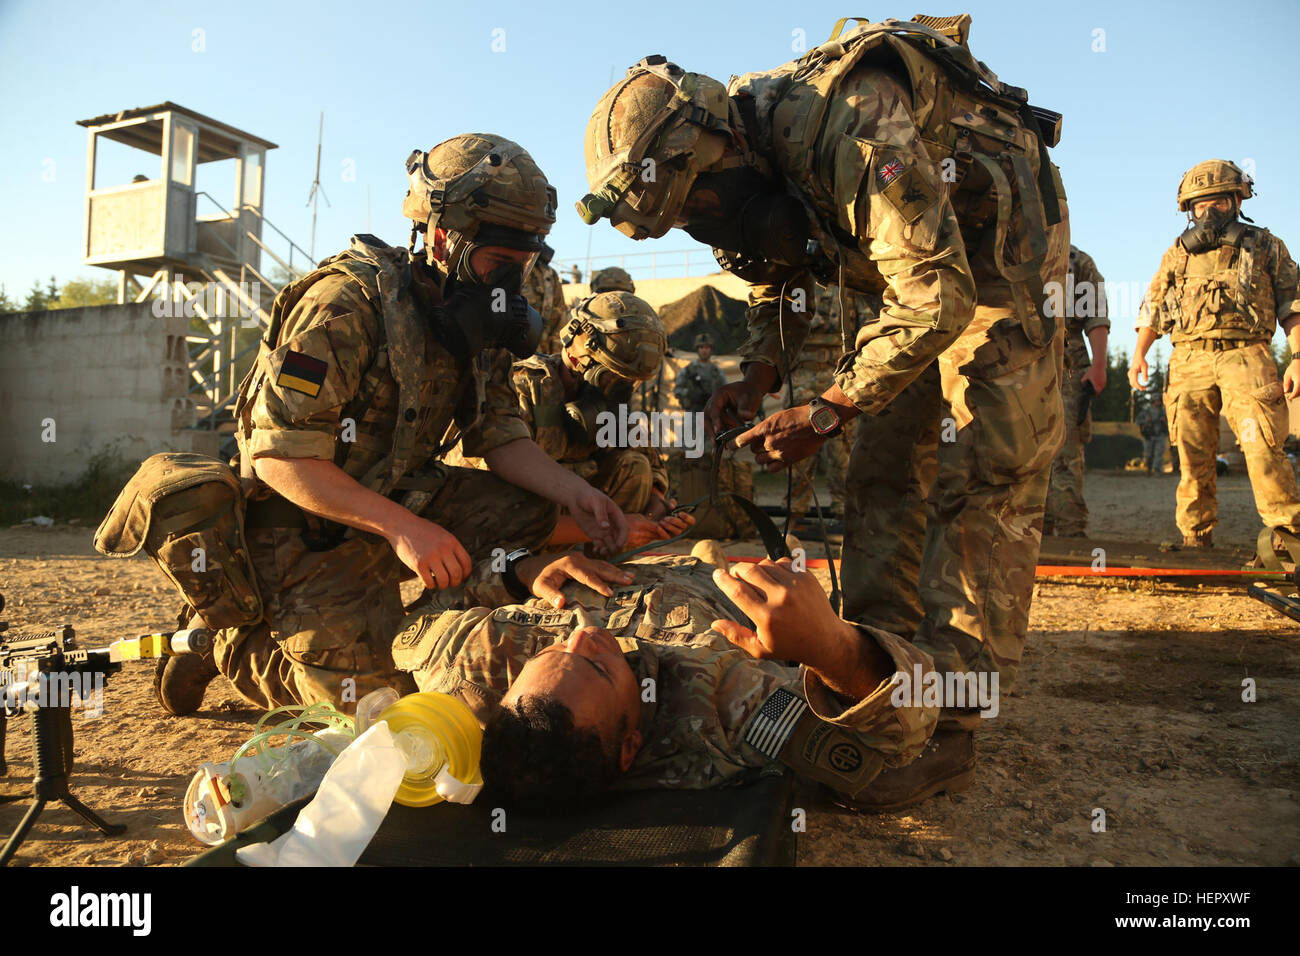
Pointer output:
x,y
52,759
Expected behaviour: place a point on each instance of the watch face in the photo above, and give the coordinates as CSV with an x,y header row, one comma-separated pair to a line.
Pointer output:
x,y
824,420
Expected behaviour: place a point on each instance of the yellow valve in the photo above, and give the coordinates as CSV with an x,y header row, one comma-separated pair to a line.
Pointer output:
x,y
442,742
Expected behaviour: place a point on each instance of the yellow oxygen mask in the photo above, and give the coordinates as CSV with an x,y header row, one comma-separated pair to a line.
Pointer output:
x,y
442,742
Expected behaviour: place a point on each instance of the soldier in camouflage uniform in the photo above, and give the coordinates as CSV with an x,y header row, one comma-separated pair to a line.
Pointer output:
x,y
372,365
660,673
1220,292
814,373
1154,426
1085,315
612,279
833,167
544,291
611,342
696,383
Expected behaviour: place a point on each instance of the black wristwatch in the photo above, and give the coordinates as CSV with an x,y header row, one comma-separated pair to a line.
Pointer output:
x,y
823,418
510,579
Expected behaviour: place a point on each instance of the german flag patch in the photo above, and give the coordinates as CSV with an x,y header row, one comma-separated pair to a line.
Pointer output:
x,y
302,373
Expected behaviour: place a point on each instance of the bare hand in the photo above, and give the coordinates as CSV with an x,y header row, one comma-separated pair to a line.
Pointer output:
x,y
1097,375
782,439
599,518
545,574
431,551
792,616
1138,373
733,405
1291,380
642,530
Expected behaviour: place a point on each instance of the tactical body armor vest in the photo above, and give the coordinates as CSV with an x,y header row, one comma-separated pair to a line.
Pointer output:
x,y
989,143
1223,292
384,274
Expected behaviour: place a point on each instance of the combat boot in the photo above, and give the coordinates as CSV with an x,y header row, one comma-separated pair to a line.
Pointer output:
x,y
1204,539
946,764
180,681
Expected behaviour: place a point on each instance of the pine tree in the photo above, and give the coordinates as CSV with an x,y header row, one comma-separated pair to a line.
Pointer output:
x,y
35,299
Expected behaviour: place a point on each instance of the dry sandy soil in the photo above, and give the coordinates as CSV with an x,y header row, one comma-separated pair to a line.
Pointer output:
x,y
1129,700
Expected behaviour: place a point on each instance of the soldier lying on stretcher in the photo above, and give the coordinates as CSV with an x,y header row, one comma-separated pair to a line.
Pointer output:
x,y
669,673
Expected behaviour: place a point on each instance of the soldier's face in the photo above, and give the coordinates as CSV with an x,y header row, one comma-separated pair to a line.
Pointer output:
x,y
704,351
487,259
589,675
1217,203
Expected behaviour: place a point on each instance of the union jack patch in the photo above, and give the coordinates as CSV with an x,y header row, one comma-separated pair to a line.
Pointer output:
x,y
890,171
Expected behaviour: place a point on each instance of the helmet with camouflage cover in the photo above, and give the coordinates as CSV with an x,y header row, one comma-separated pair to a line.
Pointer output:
x,y
612,338
704,338
484,190
612,279
1214,177
651,133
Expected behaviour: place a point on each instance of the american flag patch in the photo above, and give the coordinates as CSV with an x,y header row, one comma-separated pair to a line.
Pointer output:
x,y
772,725
890,171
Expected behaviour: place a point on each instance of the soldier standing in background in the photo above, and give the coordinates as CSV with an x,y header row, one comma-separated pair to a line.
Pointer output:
x,y
1154,426
1066,511
813,373
544,291
1221,291
697,382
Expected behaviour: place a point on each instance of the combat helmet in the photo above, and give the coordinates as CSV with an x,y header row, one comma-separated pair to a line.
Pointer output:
x,y
613,337
612,279
1214,177
485,190
704,338
649,136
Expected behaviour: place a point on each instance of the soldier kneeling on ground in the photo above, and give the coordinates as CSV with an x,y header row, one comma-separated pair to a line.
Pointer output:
x,y
611,342
671,672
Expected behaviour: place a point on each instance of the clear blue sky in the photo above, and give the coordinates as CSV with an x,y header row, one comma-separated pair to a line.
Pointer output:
x,y
1176,83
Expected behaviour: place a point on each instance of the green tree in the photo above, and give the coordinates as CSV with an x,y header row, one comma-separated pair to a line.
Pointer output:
x,y
35,299
6,304
1112,405
80,293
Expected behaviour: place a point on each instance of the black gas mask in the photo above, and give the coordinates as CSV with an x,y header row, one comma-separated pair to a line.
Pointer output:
x,y
1210,229
489,314
744,212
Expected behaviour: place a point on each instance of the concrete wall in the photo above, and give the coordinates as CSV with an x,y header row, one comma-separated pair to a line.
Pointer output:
x,y
110,377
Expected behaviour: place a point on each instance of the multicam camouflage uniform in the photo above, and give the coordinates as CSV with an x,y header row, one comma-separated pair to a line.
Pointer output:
x,y
331,595
962,340
699,728
612,279
1154,426
958,379
696,383
1220,308
545,292
628,475
813,374
1066,510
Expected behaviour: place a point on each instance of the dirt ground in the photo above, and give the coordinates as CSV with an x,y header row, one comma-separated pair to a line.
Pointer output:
x,y
1129,700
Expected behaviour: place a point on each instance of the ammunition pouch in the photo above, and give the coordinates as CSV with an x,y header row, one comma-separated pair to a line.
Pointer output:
x,y
186,512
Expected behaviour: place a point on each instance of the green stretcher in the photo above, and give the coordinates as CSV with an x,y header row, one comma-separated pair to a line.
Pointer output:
x,y
738,826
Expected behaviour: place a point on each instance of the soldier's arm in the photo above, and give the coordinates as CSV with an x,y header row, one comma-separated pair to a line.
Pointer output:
x,y
500,422
541,405
327,342
892,197
849,675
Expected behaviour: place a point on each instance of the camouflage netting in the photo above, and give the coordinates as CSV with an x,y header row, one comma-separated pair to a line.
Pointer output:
x,y
705,310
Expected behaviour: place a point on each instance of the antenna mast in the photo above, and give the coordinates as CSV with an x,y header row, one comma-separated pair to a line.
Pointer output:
x,y
316,188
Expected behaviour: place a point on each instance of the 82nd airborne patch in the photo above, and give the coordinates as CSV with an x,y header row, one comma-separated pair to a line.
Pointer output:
x,y
302,373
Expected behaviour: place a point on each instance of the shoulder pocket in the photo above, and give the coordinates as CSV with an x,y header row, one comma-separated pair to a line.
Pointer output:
x,y
883,193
